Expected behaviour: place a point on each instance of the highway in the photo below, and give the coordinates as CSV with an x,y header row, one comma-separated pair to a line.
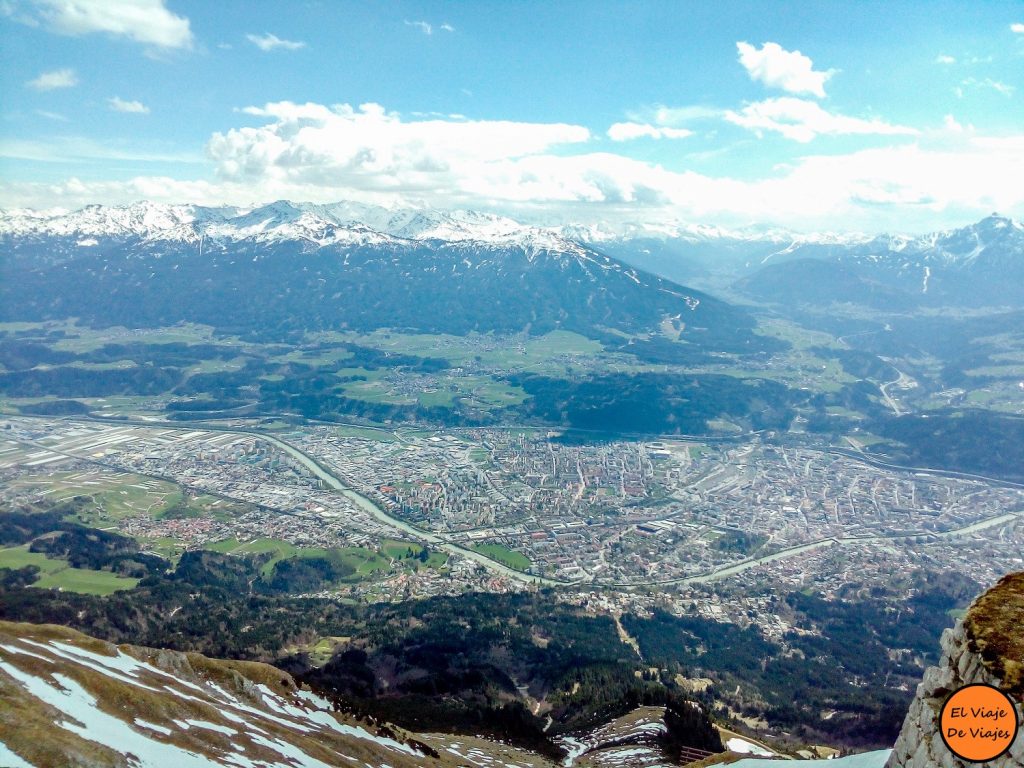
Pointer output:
x,y
368,505
844,541
334,483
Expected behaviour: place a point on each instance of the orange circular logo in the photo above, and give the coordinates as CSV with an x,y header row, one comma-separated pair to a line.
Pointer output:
x,y
978,723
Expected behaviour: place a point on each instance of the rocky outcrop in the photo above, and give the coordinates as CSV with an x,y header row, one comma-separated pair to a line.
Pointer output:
x,y
987,646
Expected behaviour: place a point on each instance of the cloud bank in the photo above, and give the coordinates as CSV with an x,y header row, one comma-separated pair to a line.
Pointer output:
x,y
802,120
553,170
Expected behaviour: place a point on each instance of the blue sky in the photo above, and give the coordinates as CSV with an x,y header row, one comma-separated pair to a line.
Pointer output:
x,y
869,116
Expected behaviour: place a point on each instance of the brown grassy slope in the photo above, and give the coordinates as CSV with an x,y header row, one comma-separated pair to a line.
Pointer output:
x,y
995,625
174,687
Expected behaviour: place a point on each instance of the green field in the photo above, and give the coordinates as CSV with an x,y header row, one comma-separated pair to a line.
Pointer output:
x,y
367,433
490,392
800,337
112,497
278,548
438,397
437,559
83,339
217,365
430,390
487,350
226,546
376,391
505,556
325,648
169,548
722,425
365,562
399,550
57,574
316,358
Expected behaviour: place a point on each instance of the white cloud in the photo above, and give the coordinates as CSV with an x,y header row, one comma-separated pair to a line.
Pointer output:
x,y
370,148
974,174
995,85
802,120
51,115
311,151
132,107
270,42
677,115
423,26
427,28
57,78
629,131
144,21
73,192
943,58
950,124
776,67
1017,28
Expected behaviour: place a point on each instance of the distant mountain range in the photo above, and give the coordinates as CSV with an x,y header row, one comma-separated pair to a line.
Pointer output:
x,y
333,224
286,268
978,265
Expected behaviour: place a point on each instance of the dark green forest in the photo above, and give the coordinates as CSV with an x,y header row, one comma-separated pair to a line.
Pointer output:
x,y
461,663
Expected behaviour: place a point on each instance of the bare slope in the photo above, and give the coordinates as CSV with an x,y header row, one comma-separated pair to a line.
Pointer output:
x,y
69,700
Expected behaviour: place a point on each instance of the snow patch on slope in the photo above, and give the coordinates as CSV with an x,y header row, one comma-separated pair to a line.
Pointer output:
x,y
72,679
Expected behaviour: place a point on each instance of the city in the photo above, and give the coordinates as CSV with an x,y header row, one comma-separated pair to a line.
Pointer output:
x,y
628,525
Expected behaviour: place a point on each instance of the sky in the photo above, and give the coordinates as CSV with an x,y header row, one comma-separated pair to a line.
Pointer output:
x,y
811,116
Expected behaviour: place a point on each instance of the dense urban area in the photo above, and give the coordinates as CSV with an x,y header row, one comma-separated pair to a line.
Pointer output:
x,y
629,525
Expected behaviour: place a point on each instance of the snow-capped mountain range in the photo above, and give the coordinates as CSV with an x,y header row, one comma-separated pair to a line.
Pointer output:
x,y
356,223
978,264
335,266
336,223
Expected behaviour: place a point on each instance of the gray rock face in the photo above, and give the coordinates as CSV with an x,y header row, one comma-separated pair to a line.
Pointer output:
x,y
920,744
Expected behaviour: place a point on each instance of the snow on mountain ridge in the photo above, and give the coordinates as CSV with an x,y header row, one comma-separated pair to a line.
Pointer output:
x,y
139,219
348,223
357,223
